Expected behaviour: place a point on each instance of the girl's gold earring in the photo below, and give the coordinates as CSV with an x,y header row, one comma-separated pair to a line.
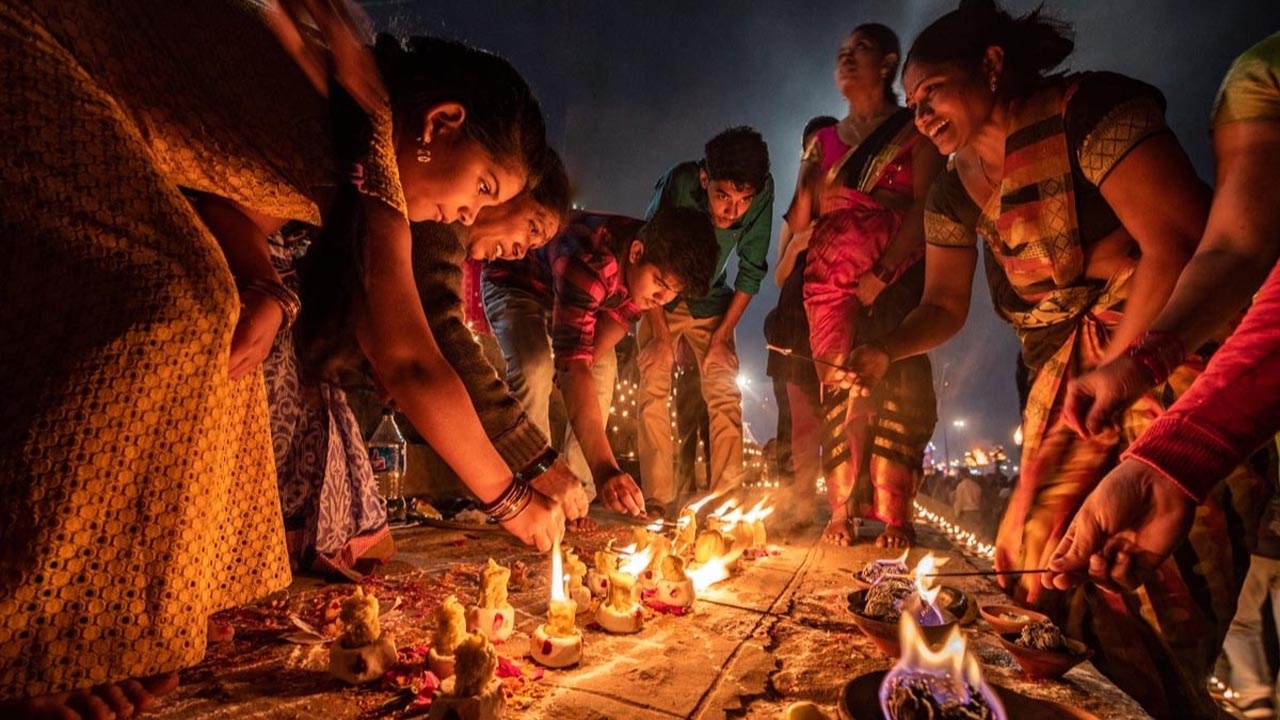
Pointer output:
x,y
424,154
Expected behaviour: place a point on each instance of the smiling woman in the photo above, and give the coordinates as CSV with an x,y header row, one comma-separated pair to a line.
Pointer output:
x,y
1089,209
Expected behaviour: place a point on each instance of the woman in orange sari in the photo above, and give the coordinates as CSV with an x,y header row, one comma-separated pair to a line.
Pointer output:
x,y
1089,208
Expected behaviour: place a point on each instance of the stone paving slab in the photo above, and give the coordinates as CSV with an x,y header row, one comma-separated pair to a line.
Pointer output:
x,y
777,632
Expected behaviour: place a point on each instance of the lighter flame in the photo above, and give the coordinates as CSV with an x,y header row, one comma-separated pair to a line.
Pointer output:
x,y
955,674
711,572
557,575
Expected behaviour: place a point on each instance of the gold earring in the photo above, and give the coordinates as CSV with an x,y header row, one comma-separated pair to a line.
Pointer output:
x,y
424,154
993,84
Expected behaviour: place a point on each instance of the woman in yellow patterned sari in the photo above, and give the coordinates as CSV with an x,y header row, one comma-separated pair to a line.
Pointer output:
x,y
1089,209
137,489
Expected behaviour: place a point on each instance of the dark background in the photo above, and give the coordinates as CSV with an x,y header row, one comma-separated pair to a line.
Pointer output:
x,y
631,88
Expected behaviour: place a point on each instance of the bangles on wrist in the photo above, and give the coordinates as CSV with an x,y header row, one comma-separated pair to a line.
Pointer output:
x,y
539,465
513,500
1160,353
287,299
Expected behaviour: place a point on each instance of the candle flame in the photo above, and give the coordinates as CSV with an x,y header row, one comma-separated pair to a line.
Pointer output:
x,y
725,507
557,574
696,506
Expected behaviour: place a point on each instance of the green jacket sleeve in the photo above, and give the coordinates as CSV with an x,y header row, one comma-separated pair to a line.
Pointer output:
x,y
753,247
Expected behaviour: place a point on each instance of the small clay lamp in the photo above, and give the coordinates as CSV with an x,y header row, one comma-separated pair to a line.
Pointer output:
x,y
363,652
474,692
493,616
577,592
598,576
675,588
450,631
557,642
620,613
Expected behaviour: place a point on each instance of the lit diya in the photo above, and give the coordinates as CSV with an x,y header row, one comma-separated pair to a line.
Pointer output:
x,y
449,632
363,652
878,610
620,613
675,588
945,684
493,616
474,692
557,642
872,572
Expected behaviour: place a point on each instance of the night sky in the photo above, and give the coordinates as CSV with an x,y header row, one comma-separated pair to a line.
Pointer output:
x,y
630,89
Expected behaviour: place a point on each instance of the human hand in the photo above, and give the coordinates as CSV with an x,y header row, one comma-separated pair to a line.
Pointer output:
x,y
343,28
720,352
869,288
1095,398
1129,524
658,352
620,494
260,320
540,524
867,366
560,484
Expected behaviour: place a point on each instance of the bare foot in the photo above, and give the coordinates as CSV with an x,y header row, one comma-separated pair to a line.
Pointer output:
x,y
837,531
111,701
896,536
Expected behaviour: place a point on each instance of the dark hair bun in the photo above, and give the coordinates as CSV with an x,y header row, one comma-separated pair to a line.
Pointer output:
x,y
1033,44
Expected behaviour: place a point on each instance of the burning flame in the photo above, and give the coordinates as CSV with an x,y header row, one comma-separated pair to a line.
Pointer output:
x,y
711,572
696,507
637,561
557,575
927,587
952,674
725,507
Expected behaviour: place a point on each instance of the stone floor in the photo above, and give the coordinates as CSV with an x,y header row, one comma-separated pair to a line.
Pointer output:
x,y
776,633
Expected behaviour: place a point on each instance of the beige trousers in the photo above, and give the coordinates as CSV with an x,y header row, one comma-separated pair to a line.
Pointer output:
x,y
724,405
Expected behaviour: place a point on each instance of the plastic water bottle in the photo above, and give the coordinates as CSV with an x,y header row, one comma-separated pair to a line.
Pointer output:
x,y
387,456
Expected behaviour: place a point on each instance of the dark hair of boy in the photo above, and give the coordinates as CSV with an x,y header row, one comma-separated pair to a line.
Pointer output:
x,y
681,242
814,125
738,155
553,190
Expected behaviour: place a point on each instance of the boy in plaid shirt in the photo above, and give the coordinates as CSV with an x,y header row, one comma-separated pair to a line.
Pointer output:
x,y
558,313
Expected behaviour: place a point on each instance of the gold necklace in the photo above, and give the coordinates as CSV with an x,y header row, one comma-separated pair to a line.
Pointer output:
x,y
856,129
983,167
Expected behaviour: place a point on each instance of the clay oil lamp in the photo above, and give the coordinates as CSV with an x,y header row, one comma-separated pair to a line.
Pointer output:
x,y
363,652
620,613
1043,651
675,587
946,683
557,642
493,616
474,692
450,630
606,562
576,570
878,610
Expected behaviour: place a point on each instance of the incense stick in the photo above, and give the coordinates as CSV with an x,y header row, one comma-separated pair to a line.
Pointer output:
x,y
983,573
792,353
